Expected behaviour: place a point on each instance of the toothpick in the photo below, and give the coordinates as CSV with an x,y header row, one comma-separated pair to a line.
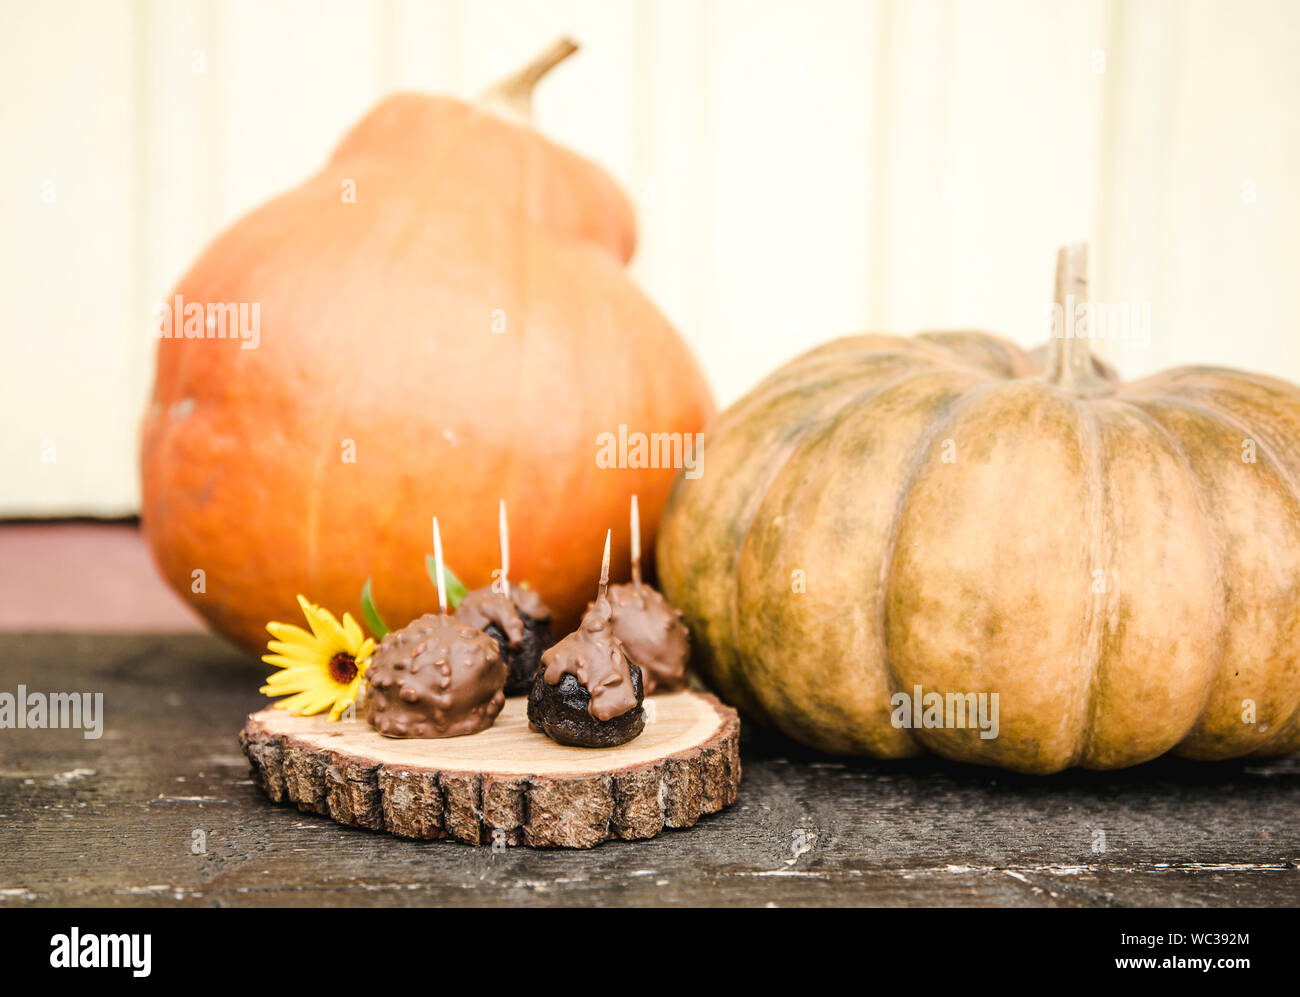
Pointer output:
x,y
636,543
437,562
604,570
504,532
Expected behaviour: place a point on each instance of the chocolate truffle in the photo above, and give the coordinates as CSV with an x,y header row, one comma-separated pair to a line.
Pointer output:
x,y
652,633
436,677
587,693
520,624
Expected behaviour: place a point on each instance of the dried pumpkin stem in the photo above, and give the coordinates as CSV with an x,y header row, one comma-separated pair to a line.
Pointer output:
x,y
1069,357
512,97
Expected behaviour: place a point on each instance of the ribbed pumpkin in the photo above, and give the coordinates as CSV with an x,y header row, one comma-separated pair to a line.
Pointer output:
x,y
1120,563
445,321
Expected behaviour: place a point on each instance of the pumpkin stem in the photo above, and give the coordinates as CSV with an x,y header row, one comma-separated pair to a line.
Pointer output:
x,y
512,97
1069,363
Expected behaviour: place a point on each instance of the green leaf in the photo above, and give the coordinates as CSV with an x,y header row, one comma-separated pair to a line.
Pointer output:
x,y
456,589
373,620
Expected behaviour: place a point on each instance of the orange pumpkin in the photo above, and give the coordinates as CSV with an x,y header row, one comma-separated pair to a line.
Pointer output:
x,y
444,321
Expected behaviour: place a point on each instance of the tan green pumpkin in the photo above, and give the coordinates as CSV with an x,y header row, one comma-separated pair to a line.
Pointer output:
x,y
1120,563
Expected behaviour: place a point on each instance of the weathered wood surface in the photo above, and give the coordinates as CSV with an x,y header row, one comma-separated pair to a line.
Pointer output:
x,y
114,821
506,785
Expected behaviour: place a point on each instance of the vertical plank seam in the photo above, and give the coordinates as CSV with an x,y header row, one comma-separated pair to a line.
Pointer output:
x,y
878,293
1104,205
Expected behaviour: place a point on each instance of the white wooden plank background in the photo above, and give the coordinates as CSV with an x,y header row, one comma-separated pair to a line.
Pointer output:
x,y
801,169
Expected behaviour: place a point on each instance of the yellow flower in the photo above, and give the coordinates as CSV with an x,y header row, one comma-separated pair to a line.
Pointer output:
x,y
319,670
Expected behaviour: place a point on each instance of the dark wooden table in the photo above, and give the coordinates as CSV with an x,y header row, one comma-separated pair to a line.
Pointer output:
x,y
160,811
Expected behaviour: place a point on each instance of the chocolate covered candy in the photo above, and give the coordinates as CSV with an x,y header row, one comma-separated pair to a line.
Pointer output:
x,y
520,623
653,635
436,677
588,693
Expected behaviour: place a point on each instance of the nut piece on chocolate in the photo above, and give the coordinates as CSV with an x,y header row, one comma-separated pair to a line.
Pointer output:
x,y
587,693
652,633
519,623
436,677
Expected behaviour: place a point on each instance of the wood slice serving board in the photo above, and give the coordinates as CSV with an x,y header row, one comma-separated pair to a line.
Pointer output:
x,y
507,785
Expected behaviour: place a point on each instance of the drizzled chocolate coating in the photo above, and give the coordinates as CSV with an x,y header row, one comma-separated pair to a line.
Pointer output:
x,y
436,677
587,692
520,624
652,633
486,606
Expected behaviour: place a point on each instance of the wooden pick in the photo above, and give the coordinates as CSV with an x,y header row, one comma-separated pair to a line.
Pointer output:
x,y
437,562
503,531
604,570
636,543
